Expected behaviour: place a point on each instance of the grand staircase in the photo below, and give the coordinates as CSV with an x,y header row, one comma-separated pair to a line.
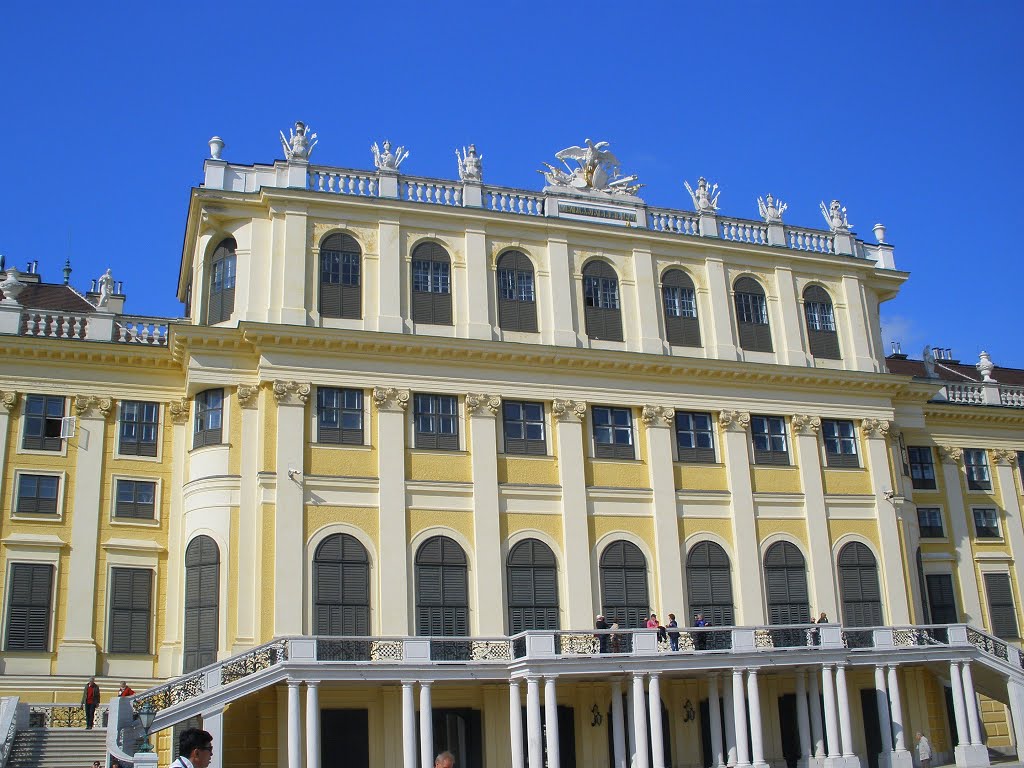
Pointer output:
x,y
58,748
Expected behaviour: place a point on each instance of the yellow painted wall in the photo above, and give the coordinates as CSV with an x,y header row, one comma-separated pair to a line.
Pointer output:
x,y
866,528
268,411
366,519
235,434
719,526
266,630
439,466
421,519
776,479
700,477
518,521
605,473
847,481
250,732
642,527
528,471
768,527
341,461
995,723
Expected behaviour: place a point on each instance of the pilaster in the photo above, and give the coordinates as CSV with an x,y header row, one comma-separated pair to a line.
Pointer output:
x,y
647,301
736,440
792,346
482,411
856,333
394,579
568,416
1003,463
808,457
249,518
659,420
293,280
8,407
169,663
478,324
563,329
970,599
721,344
289,511
390,280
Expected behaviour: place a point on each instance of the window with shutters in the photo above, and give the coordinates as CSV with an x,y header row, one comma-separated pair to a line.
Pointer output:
x,y
341,293
602,314
532,573
436,420
1002,612
679,303
136,499
339,416
202,603
523,426
752,316
29,600
929,521
222,283
130,610
341,587
431,285
517,300
38,495
941,599
139,428
840,443
695,437
709,584
442,589
858,586
624,597
209,419
785,576
613,433
976,464
986,523
43,416
821,323
922,467
770,440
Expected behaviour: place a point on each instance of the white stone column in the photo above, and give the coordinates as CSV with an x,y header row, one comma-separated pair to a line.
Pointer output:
x,y
857,331
803,724
817,737
478,271
482,411
515,723
736,449
657,732
963,737
671,579
171,648
563,328
409,749
312,724
833,747
715,722
294,725
756,733
390,280
631,731
643,755
1003,462
426,727
808,458
876,432
729,705
970,597
1015,690
896,711
534,729
791,346
249,519
289,514
289,283
8,405
568,416
720,341
843,699
551,722
213,724
882,698
394,549
971,702
618,726
739,714
647,299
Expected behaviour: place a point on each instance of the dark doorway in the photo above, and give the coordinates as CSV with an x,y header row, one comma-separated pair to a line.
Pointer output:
x,y
872,728
954,737
705,730
345,732
787,727
566,735
459,731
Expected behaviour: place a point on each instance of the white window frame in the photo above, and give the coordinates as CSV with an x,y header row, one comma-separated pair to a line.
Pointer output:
x,y
40,551
39,517
999,524
314,420
634,429
117,558
230,394
23,419
158,459
545,405
410,421
134,522
942,515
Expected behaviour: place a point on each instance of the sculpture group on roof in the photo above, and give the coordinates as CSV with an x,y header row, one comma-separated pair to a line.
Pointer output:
x,y
597,170
297,146
386,160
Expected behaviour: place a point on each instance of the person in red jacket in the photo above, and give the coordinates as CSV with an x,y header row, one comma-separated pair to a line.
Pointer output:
x,y
125,690
90,700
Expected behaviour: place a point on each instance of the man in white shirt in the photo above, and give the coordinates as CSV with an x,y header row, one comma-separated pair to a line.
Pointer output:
x,y
924,750
195,749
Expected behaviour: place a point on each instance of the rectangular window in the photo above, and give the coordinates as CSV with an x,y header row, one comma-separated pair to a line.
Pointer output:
x,y
339,416
695,437
751,308
437,421
28,607
209,418
140,426
136,499
431,276
516,285
37,494
770,444
339,268
524,428
613,433
929,520
986,523
130,601
601,292
922,467
43,415
840,443
976,463
1001,610
820,316
679,301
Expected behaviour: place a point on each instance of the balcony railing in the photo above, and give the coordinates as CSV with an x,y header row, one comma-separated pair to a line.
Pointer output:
x,y
981,393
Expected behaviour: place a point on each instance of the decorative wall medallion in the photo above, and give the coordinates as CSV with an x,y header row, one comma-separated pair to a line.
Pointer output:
x,y
734,421
950,454
248,395
390,398
8,401
85,405
657,415
289,392
569,410
179,410
1004,456
482,405
875,427
804,424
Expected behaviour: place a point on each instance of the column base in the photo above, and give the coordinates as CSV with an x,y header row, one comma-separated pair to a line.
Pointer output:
x,y
76,657
885,760
810,762
971,755
901,758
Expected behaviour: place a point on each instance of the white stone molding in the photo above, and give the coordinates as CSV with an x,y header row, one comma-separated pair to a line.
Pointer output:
x,y
658,415
877,428
734,421
179,410
8,402
1004,456
390,398
805,424
291,392
89,405
950,454
248,395
569,410
478,404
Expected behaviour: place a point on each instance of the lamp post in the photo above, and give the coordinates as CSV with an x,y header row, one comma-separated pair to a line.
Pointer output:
x,y
146,716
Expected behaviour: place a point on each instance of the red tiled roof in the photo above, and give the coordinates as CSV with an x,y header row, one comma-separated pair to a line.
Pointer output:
x,y
953,371
55,298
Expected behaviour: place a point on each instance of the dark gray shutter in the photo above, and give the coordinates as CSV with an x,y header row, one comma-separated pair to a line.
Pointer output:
x,y
340,299
824,344
624,595
756,337
220,304
202,603
709,584
532,587
839,460
941,598
680,331
442,589
858,586
603,322
429,306
785,575
515,314
28,608
130,610
1001,610
341,587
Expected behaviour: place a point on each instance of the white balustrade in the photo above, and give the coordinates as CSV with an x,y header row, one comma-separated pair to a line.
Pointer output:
x,y
343,182
809,240
965,394
150,331
514,201
427,191
673,221
1012,397
54,326
740,231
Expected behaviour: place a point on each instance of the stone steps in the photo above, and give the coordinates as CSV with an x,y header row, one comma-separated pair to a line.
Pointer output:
x,y
58,748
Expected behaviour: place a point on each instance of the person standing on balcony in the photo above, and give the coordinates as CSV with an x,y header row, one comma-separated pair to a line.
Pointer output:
x,y
602,639
90,700
701,639
924,750
195,749
673,636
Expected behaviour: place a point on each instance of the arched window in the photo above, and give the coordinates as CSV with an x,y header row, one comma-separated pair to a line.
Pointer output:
x,y
431,285
517,295
341,587
785,576
202,603
602,313
858,586
442,589
752,316
679,302
624,599
222,283
709,584
341,277
532,587
821,323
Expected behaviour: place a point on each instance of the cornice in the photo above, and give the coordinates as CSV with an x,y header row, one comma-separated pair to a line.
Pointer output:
x,y
977,414
77,352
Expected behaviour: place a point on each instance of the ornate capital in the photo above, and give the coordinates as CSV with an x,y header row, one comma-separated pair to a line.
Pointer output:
x,y
478,404
569,410
1004,456
734,421
8,402
805,424
248,395
291,392
89,405
950,454
179,410
658,415
390,398
875,427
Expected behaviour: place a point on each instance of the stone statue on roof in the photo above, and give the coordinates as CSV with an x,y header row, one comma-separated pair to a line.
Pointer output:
x,y
597,170
771,209
705,197
835,216
387,160
928,358
105,286
471,165
299,144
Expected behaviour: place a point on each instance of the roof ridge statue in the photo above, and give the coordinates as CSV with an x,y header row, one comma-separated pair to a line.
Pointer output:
x,y
597,171
471,165
299,143
705,197
771,209
387,161
835,215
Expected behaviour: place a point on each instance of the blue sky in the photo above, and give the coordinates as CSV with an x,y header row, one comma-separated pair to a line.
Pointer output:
x,y
910,113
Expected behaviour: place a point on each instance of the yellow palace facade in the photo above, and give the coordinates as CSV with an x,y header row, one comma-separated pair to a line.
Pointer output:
x,y
367,497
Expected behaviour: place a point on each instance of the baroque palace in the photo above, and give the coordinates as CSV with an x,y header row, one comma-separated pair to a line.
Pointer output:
x,y
364,501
